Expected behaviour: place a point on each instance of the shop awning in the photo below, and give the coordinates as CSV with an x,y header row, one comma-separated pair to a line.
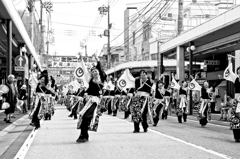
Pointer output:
x,y
8,11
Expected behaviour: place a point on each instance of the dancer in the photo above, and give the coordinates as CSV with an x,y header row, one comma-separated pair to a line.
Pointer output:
x,y
204,113
116,100
40,101
79,100
167,96
127,102
235,110
139,106
88,116
158,94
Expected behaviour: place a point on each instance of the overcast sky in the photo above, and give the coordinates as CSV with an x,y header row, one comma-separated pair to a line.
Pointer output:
x,y
74,20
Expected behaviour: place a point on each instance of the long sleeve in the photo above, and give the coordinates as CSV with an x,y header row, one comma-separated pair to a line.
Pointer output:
x,y
102,74
153,75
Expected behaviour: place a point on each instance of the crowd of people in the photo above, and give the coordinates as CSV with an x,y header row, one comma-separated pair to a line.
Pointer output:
x,y
148,101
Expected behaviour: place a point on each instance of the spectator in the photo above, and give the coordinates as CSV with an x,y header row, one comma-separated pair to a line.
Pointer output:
x,y
10,97
23,97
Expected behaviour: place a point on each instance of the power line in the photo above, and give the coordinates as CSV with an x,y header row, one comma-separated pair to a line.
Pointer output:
x,y
18,3
141,27
167,2
132,22
84,26
74,2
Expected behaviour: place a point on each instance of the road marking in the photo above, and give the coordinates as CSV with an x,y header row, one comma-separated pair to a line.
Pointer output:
x,y
186,143
207,123
6,130
26,145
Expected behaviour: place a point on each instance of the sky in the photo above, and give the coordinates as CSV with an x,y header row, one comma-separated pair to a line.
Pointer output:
x,y
76,20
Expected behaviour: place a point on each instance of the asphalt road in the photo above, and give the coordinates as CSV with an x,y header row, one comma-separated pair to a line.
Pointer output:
x,y
114,139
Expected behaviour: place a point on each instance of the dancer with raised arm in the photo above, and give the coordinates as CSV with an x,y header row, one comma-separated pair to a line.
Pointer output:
x,y
235,111
140,102
89,115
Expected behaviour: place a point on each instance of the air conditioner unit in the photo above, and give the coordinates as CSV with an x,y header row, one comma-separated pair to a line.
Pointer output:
x,y
170,15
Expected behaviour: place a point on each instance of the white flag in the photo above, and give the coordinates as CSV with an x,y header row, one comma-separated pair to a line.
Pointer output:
x,y
229,75
75,84
82,74
108,86
126,80
194,86
65,89
174,84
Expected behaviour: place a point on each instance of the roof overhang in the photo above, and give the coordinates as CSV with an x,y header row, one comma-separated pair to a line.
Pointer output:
x,y
143,64
8,11
224,25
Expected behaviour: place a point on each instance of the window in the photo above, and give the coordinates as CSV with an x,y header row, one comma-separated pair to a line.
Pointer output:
x,y
154,57
134,34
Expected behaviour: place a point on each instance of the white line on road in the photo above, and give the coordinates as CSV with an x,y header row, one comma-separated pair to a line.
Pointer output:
x,y
26,145
187,143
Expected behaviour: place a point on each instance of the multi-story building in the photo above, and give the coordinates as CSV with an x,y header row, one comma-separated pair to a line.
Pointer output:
x,y
117,56
197,13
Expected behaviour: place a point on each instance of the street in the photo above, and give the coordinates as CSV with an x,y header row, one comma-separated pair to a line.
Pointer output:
x,y
114,139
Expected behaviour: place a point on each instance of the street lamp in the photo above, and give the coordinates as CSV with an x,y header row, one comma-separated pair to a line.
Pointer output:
x,y
191,47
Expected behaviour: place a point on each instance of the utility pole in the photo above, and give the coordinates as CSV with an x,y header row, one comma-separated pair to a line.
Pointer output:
x,y
180,17
30,59
109,27
103,11
41,29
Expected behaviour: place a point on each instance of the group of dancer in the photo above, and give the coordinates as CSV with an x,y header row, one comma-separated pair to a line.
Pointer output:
x,y
147,102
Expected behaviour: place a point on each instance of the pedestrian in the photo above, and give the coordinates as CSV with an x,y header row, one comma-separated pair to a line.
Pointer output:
x,y
89,115
140,102
10,97
23,97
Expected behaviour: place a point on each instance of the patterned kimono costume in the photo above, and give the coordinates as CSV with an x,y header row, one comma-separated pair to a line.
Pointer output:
x,y
140,107
69,100
158,104
40,105
235,110
116,100
182,106
123,102
78,102
103,100
204,112
89,115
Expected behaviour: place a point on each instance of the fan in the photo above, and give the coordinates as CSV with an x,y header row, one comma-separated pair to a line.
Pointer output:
x,y
4,88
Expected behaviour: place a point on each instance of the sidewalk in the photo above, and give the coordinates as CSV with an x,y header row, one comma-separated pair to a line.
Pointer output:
x,y
3,124
56,139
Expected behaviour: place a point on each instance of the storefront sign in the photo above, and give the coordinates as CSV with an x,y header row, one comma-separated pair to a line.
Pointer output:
x,y
211,62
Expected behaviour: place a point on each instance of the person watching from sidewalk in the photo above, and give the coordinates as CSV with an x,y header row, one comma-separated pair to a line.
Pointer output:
x,y
23,97
10,97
